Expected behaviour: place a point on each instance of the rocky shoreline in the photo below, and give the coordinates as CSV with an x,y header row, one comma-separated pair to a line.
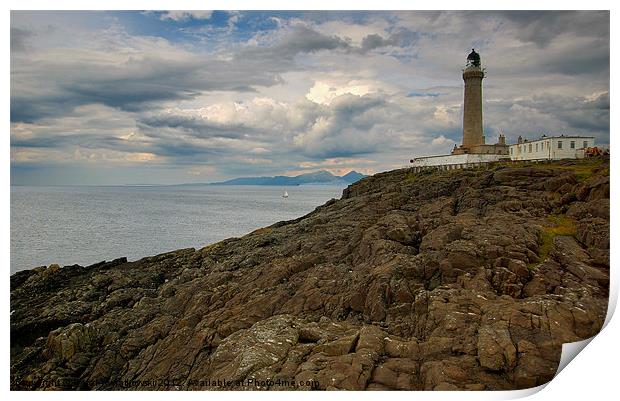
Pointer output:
x,y
429,281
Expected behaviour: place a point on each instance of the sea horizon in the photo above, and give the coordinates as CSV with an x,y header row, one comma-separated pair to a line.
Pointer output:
x,y
86,224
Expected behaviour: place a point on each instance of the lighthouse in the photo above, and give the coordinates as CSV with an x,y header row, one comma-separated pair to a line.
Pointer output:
x,y
472,102
474,152
473,136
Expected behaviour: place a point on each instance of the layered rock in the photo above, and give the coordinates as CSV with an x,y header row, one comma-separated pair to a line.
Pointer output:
x,y
435,280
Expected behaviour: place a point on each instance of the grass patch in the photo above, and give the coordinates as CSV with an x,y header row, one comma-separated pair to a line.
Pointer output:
x,y
583,168
560,225
210,247
583,172
546,242
410,177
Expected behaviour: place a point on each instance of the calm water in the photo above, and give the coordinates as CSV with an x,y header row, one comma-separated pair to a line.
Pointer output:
x,y
85,225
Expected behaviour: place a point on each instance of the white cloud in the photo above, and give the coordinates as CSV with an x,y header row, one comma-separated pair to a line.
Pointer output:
x,y
185,15
355,31
364,91
441,140
324,92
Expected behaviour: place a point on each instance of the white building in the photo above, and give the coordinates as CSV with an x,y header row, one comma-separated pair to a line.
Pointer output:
x,y
451,162
545,148
551,148
473,150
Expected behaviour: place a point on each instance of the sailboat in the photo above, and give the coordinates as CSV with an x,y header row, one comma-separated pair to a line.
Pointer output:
x,y
285,194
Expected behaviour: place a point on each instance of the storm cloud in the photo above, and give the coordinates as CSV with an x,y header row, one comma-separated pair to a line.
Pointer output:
x,y
205,96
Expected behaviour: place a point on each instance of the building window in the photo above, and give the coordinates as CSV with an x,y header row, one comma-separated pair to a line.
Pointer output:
x,y
585,144
572,144
510,150
537,147
530,148
559,144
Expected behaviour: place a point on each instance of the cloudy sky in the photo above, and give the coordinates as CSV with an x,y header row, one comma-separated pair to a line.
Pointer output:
x,y
172,97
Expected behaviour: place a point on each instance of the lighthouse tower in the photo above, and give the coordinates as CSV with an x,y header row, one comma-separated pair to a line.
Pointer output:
x,y
473,137
473,151
472,102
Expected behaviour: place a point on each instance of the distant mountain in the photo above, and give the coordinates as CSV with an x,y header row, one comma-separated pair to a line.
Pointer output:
x,y
319,177
352,176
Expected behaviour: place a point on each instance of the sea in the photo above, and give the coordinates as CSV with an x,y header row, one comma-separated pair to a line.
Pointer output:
x,y
88,224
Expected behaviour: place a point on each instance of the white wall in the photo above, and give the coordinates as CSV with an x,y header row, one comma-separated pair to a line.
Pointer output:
x,y
455,159
542,149
548,148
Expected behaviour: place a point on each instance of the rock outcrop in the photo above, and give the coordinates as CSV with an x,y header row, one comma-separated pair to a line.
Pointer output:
x,y
454,280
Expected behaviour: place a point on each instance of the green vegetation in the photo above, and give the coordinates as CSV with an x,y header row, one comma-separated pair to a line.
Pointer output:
x,y
560,225
410,177
582,169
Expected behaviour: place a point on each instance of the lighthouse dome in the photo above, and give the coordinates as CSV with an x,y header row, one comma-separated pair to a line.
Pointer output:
x,y
473,58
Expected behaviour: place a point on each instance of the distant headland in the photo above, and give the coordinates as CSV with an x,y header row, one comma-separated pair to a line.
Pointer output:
x,y
319,177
